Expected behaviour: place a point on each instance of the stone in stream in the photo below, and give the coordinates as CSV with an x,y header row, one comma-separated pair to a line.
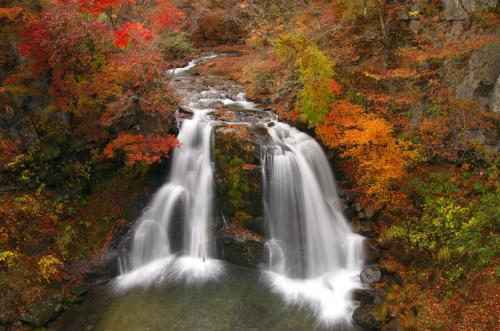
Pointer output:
x,y
370,275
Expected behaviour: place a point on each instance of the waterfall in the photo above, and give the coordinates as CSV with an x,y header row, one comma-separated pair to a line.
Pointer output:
x,y
314,257
184,201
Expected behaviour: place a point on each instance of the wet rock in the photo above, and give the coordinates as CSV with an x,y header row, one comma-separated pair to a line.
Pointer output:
x,y
363,227
494,97
480,81
240,246
184,110
256,225
369,296
238,185
370,275
239,196
458,10
350,213
366,317
42,312
364,296
217,104
371,251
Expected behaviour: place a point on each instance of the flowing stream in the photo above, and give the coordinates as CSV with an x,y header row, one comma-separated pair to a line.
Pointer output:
x,y
314,259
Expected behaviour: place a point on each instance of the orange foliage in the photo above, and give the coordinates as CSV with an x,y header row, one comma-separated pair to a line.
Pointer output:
x,y
378,159
10,13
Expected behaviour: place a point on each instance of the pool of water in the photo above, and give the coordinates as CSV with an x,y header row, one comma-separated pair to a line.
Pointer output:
x,y
238,300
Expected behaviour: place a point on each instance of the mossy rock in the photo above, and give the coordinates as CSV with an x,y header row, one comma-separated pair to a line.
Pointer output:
x,y
237,174
42,313
238,182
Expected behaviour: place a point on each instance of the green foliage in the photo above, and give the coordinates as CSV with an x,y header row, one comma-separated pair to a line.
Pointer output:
x,y
315,73
354,8
451,231
175,45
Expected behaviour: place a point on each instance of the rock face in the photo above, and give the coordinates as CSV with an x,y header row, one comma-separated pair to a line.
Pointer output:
x,y
239,196
456,10
481,81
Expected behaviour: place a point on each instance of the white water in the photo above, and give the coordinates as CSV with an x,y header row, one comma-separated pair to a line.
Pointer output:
x,y
314,257
187,199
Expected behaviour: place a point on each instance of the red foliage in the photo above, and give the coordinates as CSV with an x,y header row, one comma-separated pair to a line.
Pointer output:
x,y
335,87
140,148
8,151
166,15
131,31
100,6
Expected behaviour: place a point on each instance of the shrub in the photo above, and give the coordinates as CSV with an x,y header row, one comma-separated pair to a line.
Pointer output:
x,y
8,258
49,267
449,233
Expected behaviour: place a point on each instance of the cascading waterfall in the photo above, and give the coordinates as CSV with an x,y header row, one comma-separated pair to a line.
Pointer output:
x,y
185,199
314,257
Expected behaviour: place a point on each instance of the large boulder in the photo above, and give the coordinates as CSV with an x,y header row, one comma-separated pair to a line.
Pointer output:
x,y
240,246
42,312
238,182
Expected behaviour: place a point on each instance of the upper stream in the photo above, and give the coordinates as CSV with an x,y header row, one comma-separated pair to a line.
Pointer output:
x,y
171,277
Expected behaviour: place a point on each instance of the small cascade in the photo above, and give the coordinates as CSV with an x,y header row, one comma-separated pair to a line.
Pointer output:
x,y
314,257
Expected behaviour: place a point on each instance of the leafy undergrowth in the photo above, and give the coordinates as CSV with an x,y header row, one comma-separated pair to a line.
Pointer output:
x,y
50,240
425,302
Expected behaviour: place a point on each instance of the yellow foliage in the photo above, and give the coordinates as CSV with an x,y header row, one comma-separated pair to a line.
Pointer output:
x,y
8,258
48,267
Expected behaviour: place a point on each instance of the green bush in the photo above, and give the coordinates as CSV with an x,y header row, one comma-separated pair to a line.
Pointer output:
x,y
452,233
315,73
